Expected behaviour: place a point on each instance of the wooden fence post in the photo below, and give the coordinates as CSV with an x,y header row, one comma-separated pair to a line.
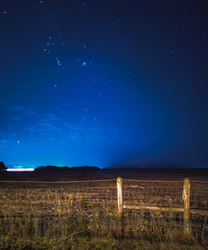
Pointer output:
x,y
119,196
186,198
120,206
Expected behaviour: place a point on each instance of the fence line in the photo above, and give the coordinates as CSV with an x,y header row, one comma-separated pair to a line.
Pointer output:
x,y
60,182
205,182
151,181
185,197
161,181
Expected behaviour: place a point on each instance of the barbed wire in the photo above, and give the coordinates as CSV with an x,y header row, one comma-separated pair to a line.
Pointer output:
x,y
195,181
150,180
60,182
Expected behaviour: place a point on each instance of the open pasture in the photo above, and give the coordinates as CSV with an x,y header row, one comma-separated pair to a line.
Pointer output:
x,y
66,213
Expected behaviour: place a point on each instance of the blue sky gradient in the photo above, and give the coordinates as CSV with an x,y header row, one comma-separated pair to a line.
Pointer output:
x,y
103,83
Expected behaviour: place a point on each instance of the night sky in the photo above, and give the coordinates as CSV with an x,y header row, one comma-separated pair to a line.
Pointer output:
x,y
103,83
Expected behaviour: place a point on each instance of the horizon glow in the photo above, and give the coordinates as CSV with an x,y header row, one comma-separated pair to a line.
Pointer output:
x,y
20,170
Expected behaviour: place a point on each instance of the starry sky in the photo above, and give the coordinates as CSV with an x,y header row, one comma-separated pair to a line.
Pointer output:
x,y
103,83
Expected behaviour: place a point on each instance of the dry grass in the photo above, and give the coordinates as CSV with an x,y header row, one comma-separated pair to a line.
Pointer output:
x,y
83,215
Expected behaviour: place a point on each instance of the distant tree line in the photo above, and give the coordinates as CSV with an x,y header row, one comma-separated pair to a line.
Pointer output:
x,y
2,166
56,168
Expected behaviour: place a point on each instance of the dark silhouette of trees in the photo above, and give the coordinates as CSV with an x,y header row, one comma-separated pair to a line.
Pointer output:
x,y
55,168
84,168
2,166
51,168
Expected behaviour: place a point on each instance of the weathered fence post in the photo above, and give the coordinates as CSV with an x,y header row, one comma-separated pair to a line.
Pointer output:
x,y
186,198
120,206
119,196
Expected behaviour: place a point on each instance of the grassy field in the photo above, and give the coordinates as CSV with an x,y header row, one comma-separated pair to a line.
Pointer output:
x,y
78,210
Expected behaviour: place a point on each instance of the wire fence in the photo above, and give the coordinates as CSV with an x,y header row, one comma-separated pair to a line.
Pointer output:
x,y
49,198
95,192
199,195
153,193
135,192
55,201
172,196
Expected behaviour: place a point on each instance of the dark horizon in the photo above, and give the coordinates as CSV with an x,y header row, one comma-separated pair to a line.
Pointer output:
x,y
123,166
104,83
